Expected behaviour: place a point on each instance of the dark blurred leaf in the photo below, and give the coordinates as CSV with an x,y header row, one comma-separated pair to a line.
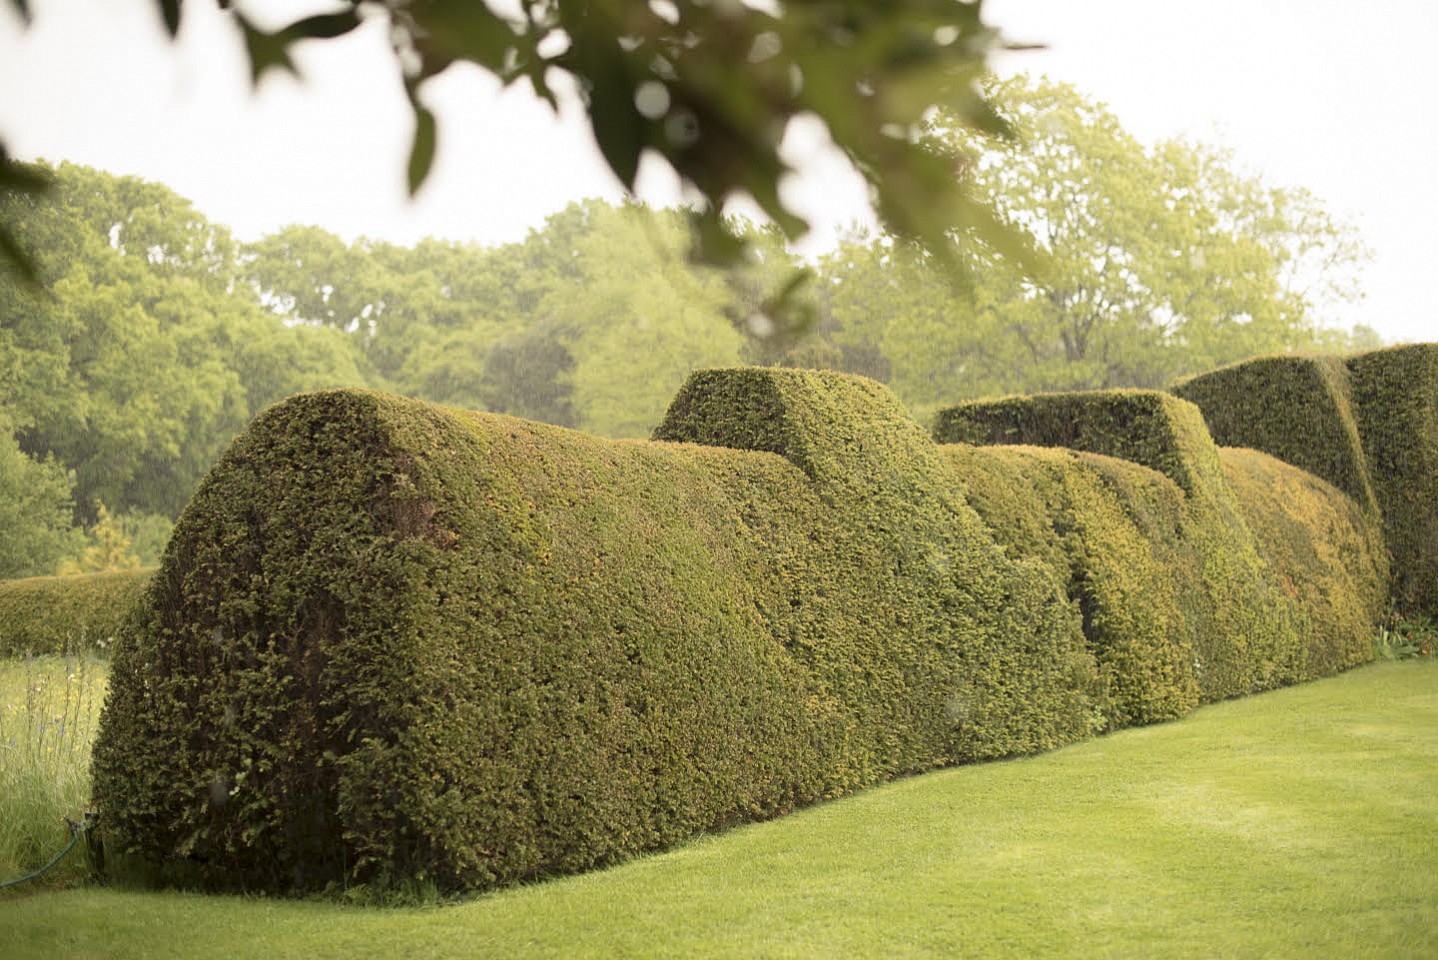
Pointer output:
x,y
421,151
22,7
267,51
170,11
16,178
449,31
619,129
19,177
270,51
325,26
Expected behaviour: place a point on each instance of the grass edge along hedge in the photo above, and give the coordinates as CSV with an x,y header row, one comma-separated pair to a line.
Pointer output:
x,y
391,643
82,613
1267,592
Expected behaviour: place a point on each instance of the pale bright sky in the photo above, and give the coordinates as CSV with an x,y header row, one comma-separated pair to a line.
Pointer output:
x,y
1330,96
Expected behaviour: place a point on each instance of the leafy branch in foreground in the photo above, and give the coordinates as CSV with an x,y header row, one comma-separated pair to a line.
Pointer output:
x,y
711,87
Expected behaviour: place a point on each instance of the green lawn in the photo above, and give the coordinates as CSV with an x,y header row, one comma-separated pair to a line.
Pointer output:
x,y
1299,823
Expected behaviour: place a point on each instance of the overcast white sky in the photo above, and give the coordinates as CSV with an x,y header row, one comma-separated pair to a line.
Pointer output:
x,y
1331,96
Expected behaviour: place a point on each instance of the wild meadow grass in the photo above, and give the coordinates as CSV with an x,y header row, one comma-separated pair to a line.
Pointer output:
x,y
1297,824
49,708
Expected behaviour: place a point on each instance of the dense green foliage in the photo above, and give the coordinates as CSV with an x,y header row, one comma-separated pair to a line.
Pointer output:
x,y
392,642
126,379
1298,599
159,336
1160,260
1327,551
84,613
1109,532
395,643
1395,402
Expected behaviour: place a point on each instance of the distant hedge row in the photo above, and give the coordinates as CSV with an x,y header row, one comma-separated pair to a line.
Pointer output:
x,y
78,614
1213,574
394,643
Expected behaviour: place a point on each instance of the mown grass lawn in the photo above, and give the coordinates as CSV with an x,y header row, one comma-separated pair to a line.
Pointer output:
x,y
1299,823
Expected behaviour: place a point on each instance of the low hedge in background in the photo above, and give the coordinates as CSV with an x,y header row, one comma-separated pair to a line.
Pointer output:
x,y
74,614
392,643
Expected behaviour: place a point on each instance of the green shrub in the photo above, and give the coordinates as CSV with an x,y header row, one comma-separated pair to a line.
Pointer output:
x,y
391,643
1246,633
75,614
1296,408
1395,399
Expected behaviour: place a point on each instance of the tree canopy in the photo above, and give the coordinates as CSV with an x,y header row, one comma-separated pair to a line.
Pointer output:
x,y
1156,260
160,335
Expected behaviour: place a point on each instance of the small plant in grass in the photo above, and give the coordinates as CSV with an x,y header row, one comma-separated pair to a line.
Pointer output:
x,y
1403,637
49,708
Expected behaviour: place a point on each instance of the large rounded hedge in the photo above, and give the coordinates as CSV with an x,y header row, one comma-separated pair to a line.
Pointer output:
x,y
391,642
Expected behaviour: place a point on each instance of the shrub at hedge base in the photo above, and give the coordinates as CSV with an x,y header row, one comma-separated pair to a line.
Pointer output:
x,y
83,613
393,643
1252,612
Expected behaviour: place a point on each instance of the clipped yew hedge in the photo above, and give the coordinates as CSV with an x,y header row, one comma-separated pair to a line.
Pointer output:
x,y
83,613
1367,424
1248,593
394,643
1327,551
1395,402
1108,530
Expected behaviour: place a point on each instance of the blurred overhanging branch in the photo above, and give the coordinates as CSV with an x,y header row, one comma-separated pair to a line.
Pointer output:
x,y
708,85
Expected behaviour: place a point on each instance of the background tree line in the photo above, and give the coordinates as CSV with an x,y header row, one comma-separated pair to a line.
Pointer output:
x,y
160,336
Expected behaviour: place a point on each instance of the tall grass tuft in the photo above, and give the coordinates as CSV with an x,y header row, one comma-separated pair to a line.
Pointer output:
x,y
49,709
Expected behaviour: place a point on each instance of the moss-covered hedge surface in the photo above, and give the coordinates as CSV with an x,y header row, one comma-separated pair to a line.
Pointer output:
x,y
76,614
1216,573
391,642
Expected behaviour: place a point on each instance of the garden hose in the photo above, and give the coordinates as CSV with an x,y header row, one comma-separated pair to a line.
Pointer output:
x,y
75,831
